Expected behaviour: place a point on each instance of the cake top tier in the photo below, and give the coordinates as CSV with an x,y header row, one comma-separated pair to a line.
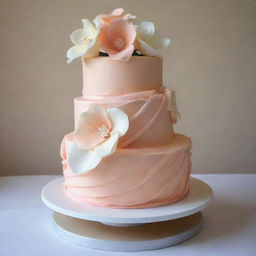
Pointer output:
x,y
106,77
117,37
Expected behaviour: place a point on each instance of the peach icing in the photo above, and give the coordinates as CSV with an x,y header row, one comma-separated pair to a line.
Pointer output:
x,y
133,178
150,123
152,164
105,77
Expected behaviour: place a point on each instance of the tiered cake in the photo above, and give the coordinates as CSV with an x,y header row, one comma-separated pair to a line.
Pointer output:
x,y
123,152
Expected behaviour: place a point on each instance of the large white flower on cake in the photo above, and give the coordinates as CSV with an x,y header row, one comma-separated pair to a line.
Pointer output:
x,y
96,137
85,42
149,40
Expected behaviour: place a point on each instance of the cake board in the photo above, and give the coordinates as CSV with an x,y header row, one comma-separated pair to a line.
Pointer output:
x,y
127,229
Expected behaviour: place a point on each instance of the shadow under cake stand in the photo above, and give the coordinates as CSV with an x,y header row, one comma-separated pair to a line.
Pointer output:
x,y
127,229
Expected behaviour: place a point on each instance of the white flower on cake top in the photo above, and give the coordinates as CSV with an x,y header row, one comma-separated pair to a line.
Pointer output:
x,y
96,137
149,40
84,41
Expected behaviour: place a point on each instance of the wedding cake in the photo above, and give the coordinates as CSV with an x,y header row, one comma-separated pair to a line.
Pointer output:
x,y
123,152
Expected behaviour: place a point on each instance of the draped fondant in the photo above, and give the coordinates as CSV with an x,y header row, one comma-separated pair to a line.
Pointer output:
x,y
150,122
132,178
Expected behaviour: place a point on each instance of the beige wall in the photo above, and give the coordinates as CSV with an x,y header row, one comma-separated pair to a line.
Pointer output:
x,y
211,64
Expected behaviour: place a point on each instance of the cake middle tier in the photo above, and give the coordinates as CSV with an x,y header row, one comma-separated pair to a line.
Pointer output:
x,y
150,122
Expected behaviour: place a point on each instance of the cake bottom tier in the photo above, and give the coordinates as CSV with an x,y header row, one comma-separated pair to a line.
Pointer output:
x,y
133,178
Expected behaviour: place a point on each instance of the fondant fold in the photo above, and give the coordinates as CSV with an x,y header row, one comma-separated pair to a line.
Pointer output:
x,y
149,119
156,176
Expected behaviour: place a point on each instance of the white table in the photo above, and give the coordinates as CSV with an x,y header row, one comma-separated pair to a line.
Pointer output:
x,y
229,229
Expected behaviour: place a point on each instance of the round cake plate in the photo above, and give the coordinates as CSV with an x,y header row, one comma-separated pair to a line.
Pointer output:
x,y
122,229
145,237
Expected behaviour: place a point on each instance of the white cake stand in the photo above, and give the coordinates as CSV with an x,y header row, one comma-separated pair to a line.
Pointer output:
x,y
123,229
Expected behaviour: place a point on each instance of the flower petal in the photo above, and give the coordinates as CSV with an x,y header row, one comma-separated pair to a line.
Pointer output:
x,y
80,160
122,55
121,29
62,150
145,49
118,29
146,29
119,120
89,29
106,45
78,36
76,51
87,127
160,42
129,17
117,11
108,147
97,22
93,49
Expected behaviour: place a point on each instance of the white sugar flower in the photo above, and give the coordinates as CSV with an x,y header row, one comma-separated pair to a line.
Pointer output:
x,y
149,40
84,41
96,137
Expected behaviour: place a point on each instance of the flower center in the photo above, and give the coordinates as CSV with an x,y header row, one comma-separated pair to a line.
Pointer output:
x,y
119,43
103,132
85,40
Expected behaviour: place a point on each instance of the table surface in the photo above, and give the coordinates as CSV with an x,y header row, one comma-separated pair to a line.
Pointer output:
x,y
229,228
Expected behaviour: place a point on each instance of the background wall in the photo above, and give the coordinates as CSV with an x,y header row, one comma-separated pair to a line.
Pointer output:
x,y
211,64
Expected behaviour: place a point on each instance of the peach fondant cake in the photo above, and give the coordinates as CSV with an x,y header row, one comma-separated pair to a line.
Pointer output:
x,y
123,152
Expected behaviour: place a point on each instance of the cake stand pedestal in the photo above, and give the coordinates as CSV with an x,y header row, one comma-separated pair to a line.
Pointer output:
x,y
127,229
